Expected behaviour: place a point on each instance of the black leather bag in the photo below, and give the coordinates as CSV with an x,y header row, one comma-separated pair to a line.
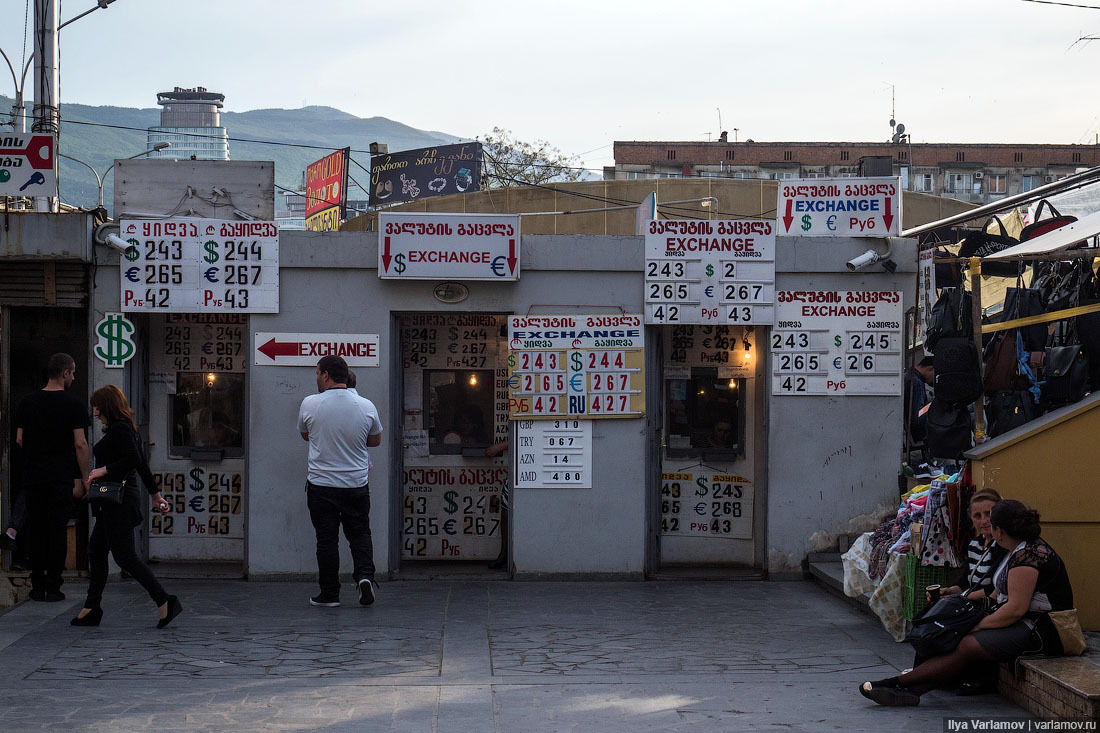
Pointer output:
x,y
1021,302
106,493
950,318
948,432
958,371
941,626
1009,409
1066,375
983,244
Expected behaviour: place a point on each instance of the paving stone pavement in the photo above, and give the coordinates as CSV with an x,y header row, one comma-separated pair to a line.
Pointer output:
x,y
462,656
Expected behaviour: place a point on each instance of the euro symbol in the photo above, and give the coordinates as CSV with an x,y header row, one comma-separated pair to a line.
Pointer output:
x,y
453,348
196,504
831,223
132,274
836,363
211,274
706,343
709,290
498,265
513,382
449,526
701,509
576,382
208,348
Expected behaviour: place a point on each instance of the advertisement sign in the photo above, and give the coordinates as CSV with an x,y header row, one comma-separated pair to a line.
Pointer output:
x,y
448,246
553,454
199,266
306,349
702,503
837,342
27,165
713,271
840,207
452,512
576,366
415,174
327,191
926,276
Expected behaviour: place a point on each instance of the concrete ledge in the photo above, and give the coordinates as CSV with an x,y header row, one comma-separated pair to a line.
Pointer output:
x,y
1053,687
579,577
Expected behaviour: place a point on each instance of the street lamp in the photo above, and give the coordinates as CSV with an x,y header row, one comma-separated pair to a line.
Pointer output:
x,y
100,179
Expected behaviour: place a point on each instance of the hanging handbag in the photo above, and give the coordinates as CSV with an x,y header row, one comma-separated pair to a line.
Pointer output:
x,y
947,430
983,244
958,371
1021,302
1065,371
1041,226
950,318
1009,409
941,626
106,493
1069,288
1069,631
1002,367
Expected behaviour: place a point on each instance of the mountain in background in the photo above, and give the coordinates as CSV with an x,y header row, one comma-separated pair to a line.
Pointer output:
x,y
99,146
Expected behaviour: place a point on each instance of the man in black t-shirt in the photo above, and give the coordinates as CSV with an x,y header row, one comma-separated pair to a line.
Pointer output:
x,y
49,427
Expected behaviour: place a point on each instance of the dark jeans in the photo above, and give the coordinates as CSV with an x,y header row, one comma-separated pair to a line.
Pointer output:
x,y
48,508
114,533
329,509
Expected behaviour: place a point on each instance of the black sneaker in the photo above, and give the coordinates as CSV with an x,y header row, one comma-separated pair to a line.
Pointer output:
x,y
53,596
7,542
366,592
326,601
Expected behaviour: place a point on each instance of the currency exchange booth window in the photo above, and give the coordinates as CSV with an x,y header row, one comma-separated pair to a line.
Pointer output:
x,y
459,406
207,415
705,416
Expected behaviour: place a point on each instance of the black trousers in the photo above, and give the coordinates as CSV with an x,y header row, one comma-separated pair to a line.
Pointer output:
x,y
48,509
331,508
114,534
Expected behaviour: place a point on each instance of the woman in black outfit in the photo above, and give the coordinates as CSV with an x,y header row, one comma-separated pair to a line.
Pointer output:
x,y
119,457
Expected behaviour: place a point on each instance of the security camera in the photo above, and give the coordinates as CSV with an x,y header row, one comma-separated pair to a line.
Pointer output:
x,y
864,261
116,242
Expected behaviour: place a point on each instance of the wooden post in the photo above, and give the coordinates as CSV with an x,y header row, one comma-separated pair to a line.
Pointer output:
x,y
976,318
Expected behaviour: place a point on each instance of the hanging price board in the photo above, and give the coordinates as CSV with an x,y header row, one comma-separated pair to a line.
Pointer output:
x,y
705,504
573,366
554,454
837,342
713,272
199,266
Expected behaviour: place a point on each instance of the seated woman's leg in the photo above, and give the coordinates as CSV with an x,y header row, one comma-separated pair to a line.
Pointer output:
x,y
939,671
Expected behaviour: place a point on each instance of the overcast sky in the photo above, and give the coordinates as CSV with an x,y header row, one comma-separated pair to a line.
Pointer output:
x,y
583,73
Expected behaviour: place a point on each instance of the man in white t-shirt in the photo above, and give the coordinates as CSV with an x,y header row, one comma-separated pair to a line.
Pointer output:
x,y
339,426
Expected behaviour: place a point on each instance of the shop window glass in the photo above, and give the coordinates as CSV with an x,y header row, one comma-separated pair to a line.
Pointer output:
x,y
459,411
705,416
207,415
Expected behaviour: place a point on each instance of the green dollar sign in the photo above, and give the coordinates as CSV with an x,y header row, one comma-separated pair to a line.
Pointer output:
x,y
511,360
399,259
196,479
211,248
806,222
132,252
577,361
710,270
115,347
453,333
837,340
449,497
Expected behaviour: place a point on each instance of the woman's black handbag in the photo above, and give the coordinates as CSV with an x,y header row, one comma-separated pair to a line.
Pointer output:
x,y
941,626
947,430
982,244
1008,409
106,493
1066,375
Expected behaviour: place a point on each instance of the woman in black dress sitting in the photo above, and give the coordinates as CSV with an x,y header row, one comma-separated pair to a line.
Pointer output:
x,y
119,457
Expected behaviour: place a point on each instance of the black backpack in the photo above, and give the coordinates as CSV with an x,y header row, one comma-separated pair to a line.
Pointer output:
x,y
947,430
941,626
951,317
958,371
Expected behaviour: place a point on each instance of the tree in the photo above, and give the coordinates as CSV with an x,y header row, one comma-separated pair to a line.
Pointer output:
x,y
511,162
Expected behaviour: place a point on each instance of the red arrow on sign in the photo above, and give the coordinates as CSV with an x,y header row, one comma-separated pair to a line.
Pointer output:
x,y
275,348
386,254
33,152
512,256
888,217
787,218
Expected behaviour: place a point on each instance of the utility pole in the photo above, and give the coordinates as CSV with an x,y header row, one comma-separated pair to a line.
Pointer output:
x,y
46,80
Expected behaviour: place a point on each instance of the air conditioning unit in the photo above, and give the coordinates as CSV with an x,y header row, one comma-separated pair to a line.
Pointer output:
x,y
978,175
1048,179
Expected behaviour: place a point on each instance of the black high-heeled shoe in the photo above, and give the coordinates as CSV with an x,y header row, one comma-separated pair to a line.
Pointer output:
x,y
174,609
92,618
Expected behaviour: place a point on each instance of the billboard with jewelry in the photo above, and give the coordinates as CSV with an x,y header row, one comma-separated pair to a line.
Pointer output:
x,y
415,174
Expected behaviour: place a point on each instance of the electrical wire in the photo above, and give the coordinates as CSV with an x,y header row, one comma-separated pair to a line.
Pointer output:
x,y
1068,5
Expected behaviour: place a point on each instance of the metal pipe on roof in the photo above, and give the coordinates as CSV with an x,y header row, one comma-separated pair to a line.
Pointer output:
x,y
1076,180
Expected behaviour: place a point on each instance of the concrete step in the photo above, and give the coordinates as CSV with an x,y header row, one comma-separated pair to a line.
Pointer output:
x,y
828,570
1055,687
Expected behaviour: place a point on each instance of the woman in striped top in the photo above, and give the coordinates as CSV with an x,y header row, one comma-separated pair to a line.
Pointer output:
x,y
983,555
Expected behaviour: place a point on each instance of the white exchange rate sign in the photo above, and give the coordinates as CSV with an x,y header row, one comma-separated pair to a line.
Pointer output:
x,y
190,265
719,271
839,207
448,246
554,454
837,342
